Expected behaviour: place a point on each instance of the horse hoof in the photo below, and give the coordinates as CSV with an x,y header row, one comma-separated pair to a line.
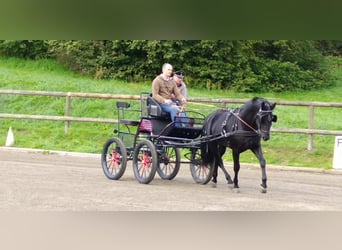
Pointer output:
x,y
236,190
263,190
230,182
213,185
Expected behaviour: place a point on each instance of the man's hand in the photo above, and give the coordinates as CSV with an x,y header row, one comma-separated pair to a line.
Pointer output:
x,y
181,108
168,101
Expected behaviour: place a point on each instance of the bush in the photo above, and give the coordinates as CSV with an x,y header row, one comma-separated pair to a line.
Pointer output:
x,y
244,65
28,49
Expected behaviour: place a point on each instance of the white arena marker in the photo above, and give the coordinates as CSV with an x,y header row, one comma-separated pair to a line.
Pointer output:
x,y
10,138
337,163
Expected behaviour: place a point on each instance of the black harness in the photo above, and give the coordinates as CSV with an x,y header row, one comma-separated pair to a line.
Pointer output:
x,y
260,115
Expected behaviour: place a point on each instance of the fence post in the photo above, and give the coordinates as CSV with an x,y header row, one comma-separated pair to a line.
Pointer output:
x,y
311,126
67,112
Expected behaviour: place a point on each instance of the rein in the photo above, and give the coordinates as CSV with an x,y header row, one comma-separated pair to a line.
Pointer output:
x,y
241,120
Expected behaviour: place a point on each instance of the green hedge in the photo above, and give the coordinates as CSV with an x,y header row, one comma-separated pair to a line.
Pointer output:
x,y
243,65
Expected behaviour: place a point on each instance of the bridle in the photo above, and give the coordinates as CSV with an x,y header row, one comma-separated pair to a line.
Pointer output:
x,y
260,115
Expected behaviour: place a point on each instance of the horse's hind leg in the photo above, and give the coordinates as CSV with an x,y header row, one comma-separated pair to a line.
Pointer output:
x,y
221,165
214,179
221,150
236,157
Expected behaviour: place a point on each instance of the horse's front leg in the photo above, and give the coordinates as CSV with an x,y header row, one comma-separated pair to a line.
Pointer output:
x,y
258,153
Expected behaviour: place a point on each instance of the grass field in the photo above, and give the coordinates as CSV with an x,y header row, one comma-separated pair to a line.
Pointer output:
x,y
46,75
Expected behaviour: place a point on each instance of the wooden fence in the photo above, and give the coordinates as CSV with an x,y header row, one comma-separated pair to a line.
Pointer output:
x,y
310,131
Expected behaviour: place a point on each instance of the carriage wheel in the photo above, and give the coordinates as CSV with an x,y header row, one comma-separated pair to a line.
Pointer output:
x,y
169,163
145,161
114,158
201,174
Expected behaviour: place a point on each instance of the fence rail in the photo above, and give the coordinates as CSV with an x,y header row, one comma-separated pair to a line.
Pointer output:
x,y
311,131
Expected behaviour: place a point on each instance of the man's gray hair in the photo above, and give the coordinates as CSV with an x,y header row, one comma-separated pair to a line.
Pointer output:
x,y
166,64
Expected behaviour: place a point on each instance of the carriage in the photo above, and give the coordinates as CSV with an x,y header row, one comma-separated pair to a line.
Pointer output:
x,y
155,144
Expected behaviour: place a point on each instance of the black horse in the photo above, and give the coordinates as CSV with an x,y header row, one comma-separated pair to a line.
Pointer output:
x,y
240,129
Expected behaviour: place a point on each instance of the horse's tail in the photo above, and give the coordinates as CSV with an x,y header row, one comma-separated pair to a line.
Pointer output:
x,y
207,154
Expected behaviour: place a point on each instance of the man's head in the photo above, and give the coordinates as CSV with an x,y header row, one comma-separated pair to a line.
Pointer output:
x,y
167,70
178,77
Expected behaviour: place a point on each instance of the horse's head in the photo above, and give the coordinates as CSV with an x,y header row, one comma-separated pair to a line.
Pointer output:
x,y
264,119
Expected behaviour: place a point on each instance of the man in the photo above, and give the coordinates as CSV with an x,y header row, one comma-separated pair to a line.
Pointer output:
x,y
178,77
164,88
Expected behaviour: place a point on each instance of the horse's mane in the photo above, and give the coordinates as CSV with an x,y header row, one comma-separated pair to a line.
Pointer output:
x,y
257,100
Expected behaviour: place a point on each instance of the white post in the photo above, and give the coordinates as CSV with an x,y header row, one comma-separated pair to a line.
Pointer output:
x,y
311,126
337,163
67,112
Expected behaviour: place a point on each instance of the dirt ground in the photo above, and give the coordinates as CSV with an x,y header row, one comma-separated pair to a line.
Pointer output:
x,y
32,180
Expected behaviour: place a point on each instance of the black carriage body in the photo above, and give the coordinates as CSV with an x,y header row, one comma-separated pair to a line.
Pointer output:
x,y
164,129
154,143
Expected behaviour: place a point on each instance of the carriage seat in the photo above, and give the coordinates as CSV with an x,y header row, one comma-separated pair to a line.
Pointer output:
x,y
154,109
121,106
